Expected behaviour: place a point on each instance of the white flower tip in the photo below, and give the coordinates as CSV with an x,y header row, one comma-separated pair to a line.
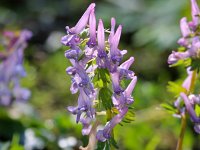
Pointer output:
x,y
113,22
100,22
92,5
132,58
183,19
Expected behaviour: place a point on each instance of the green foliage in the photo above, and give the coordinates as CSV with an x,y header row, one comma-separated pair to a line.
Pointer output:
x,y
107,145
103,146
105,98
169,108
129,117
185,62
197,110
175,88
2,48
102,81
113,143
195,65
15,143
102,78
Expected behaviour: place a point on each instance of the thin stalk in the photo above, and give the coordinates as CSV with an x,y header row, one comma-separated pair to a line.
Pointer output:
x,y
182,133
193,80
109,117
183,116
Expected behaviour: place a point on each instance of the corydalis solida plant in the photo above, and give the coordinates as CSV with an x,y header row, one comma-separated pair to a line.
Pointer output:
x,y
11,67
188,55
97,72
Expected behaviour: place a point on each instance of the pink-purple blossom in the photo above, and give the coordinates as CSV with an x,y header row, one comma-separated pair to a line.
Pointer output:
x,y
102,53
11,67
190,37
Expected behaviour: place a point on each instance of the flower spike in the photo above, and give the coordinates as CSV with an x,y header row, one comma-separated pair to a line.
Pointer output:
x,y
97,72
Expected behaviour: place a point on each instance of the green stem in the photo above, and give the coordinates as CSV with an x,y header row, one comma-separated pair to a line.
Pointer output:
x,y
182,133
193,80
183,117
109,117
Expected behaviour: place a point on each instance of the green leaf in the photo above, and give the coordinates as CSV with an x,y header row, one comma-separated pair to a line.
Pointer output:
x,y
113,143
102,78
15,143
2,48
185,62
105,98
195,65
197,110
175,89
129,117
169,107
103,145
181,49
107,145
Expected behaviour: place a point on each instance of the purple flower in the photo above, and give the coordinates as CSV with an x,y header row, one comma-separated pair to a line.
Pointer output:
x,y
92,28
183,42
193,51
190,43
186,84
86,54
80,79
102,56
197,128
190,39
84,105
112,31
185,27
129,90
72,39
190,108
122,72
194,99
11,68
86,122
123,98
120,101
83,21
73,53
105,134
195,13
176,56
115,53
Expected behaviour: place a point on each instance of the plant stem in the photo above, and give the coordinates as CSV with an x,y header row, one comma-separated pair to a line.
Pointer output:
x,y
182,133
183,117
193,80
109,117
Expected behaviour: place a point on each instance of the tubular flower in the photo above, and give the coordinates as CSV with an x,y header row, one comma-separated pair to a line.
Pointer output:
x,y
190,37
11,67
190,102
96,66
187,101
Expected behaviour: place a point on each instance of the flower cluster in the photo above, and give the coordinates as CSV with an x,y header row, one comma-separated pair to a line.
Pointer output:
x,y
96,67
190,42
191,101
11,67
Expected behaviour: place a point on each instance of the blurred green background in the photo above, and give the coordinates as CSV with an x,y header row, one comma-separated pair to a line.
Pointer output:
x,y
150,32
